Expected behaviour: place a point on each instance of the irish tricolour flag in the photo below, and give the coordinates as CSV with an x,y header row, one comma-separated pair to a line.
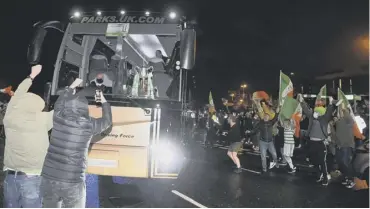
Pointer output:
x,y
286,88
290,108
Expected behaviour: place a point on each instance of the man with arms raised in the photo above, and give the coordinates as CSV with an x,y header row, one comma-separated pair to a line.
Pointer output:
x,y
63,174
26,143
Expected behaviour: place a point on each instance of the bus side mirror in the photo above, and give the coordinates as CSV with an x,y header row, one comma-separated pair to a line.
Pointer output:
x,y
35,47
187,48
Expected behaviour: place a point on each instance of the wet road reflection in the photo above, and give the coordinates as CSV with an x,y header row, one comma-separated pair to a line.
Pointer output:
x,y
208,181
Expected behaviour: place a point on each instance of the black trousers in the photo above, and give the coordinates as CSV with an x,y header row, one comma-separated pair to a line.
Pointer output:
x,y
318,152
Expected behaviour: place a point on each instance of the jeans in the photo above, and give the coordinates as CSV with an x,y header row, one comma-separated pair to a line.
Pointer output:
x,y
92,191
344,159
264,146
22,191
56,193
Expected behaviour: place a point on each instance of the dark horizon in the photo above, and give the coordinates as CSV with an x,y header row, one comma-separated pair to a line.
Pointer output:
x,y
250,41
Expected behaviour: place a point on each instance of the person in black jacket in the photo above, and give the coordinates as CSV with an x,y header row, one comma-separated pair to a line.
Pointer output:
x,y
265,129
63,173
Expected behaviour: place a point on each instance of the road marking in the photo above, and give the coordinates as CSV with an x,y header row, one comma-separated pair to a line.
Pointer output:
x,y
252,171
301,165
245,151
188,199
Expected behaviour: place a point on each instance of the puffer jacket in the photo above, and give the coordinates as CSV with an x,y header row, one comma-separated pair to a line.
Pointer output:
x,y
26,130
66,160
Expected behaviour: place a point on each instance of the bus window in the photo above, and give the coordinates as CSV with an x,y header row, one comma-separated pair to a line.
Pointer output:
x,y
67,74
77,38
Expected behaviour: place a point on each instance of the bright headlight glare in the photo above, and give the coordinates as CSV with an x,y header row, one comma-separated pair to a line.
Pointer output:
x,y
165,153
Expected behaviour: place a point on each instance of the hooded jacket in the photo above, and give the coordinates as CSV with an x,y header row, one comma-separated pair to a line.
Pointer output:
x,y
323,120
26,129
66,159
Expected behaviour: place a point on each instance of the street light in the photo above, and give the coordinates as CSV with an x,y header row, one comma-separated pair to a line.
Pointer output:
x,y
243,86
77,14
232,96
292,74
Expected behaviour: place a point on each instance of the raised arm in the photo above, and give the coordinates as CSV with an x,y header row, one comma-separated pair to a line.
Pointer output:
x,y
59,104
329,112
330,108
26,83
103,123
305,109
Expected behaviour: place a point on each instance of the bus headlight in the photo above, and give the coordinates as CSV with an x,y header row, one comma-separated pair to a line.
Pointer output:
x,y
166,153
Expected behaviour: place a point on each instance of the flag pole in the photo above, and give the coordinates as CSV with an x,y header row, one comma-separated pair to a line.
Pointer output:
x,y
279,88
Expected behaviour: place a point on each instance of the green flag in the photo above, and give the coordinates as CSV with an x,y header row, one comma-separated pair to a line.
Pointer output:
x,y
288,109
342,96
285,88
321,97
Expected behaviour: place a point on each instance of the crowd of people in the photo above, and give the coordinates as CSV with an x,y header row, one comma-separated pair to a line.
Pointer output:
x,y
50,173
325,130
42,173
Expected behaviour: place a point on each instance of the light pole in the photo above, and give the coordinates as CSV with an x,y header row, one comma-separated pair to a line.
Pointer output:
x,y
243,86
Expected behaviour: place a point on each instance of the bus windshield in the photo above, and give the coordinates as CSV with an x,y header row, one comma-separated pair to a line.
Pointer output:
x,y
122,59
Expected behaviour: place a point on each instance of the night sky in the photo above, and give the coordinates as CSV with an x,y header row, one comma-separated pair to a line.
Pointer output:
x,y
237,40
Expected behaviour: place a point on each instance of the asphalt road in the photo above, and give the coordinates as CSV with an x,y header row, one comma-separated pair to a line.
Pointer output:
x,y
207,180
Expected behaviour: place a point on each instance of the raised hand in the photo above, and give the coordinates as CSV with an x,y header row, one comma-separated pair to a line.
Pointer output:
x,y
102,98
75,83
338,103
300,98
331,100
35,70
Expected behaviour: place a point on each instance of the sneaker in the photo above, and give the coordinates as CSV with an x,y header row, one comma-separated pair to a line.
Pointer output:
x,y
350,184
325,182
292,170
282,163
238,170
264,170
272,165
320,178
345,181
